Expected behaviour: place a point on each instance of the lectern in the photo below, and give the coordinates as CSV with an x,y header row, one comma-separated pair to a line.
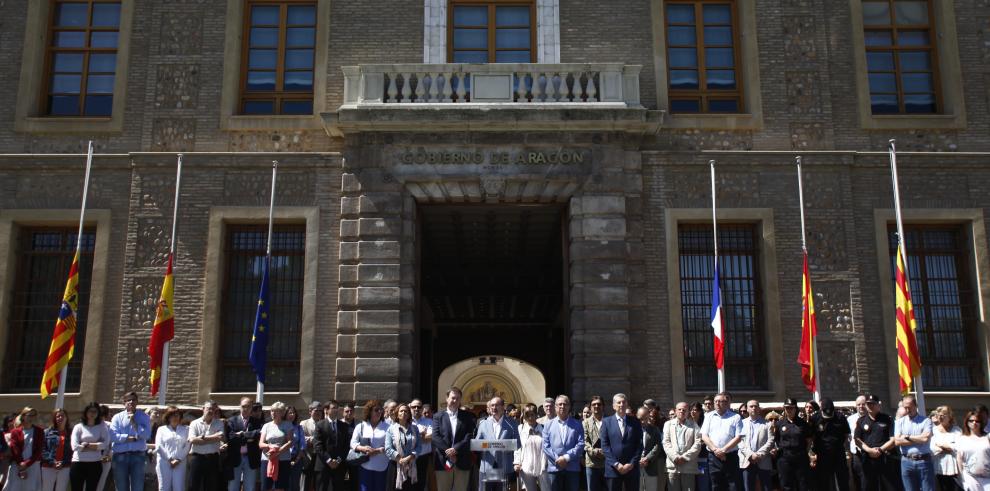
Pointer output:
x,y
494,477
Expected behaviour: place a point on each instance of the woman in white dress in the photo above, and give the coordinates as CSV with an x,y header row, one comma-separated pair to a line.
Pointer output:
x,y
26,443
171,449
528,459
945,434
973,454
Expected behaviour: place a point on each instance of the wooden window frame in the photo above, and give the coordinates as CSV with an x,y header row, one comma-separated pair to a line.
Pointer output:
x,y
967,297
492,5
51,50
759,361
895,49
243,362
277,96
16,325
703,94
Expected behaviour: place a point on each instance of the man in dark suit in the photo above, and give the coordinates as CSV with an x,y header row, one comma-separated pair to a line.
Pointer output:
x,y
243,453
330,450
452,430
622,442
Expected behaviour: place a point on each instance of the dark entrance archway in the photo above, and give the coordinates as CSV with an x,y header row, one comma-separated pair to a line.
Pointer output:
x,y
492,279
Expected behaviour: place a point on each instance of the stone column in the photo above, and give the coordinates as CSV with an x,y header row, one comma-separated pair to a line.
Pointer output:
x,y
375,320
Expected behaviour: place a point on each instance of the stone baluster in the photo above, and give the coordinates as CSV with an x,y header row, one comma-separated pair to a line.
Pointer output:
x,y
393,87
447,79
406,87
591,91
420,87
570,81
521,89
552,94
537,90
461,89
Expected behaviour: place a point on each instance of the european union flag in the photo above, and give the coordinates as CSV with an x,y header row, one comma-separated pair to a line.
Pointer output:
x,y
259,339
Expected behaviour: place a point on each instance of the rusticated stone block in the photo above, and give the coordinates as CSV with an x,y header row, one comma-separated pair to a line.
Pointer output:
x,y
377,296
599,294
596,320
598,205
375,390
375,369
603,228
377,343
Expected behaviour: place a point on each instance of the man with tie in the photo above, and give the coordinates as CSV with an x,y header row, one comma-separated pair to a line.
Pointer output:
x,y
243,453
330,444
452,431
622,442
496,465
754,450
722,432
563,445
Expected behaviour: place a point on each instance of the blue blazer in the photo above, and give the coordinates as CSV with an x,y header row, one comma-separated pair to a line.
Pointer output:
x,y
444,438
571,444
500,460
619,448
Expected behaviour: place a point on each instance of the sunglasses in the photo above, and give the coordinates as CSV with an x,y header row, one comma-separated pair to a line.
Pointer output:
x,y
415,407
973,421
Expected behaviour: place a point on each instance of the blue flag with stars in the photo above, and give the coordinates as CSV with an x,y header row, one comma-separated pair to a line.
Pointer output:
x,y
259,339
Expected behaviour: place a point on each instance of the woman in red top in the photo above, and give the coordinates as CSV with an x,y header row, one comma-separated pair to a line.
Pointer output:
x,y
57,454
26,443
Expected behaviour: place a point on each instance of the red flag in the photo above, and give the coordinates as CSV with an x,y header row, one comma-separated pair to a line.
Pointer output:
x,y
64,338
908,356
809,331
163,330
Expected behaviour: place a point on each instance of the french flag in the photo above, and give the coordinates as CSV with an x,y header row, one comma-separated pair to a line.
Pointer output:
x,y
718,322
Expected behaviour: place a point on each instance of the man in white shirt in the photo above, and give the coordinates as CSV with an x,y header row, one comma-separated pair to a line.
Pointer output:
x,y
205,438
425,427
594,456
563,445
316,414
722,432
452,431
496,466
754,449
857,462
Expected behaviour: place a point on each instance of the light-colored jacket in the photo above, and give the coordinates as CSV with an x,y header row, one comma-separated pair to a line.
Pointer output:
x,y
592,445
760,445
682,440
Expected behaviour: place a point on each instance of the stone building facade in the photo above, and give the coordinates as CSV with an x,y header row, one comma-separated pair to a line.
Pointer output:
x,y
378,185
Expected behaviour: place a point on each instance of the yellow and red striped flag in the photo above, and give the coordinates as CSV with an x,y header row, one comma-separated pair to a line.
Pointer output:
x,y
164,329
908,357
64,337
809,331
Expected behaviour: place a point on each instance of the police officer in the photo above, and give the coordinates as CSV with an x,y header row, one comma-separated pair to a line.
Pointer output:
x,y
793,437
831,439
875,437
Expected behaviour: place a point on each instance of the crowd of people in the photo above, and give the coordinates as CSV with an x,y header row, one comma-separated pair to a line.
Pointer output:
x,y
553,447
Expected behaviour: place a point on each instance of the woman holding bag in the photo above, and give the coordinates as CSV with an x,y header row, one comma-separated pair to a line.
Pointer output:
x,y
400,448
369,439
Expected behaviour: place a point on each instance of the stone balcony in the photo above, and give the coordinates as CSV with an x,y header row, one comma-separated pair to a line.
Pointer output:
x,y
492,97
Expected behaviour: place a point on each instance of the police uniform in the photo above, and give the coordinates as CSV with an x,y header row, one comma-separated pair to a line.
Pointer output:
x,y
791,437
875,432
831,435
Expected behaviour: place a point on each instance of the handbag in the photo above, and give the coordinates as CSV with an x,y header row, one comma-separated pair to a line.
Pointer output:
x,y
355,458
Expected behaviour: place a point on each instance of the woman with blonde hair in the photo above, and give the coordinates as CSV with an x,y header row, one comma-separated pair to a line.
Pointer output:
x,y
944,437
57,455
27,441
277,438
973,454
171,450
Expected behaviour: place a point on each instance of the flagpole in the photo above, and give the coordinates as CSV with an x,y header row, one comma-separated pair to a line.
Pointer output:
x,y
711,164
64,375
804,248
892,150
260,395
163,385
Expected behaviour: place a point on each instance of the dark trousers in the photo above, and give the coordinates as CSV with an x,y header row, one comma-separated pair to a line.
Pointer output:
x,y
857,470
85,476
565,481
327,478
948,483
204,472
628,482
595,478
751,473
793,468
725,474
880,474
422,472
832,467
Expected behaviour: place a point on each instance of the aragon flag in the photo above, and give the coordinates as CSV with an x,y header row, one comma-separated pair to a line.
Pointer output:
x,y
809,331
64,338
164,328
908,356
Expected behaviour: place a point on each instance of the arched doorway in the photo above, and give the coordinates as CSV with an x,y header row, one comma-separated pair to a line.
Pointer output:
x,y
483,377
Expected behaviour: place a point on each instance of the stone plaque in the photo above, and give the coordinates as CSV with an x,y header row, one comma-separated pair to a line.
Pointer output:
x,y
491,88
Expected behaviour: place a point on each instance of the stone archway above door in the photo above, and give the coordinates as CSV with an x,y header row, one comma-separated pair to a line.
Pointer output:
x,y
483,377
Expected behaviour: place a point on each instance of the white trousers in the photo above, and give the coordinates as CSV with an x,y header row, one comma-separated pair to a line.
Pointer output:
x,y
531,482
170,479
30,483
53,479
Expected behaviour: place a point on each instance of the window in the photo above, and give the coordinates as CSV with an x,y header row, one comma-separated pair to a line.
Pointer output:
x,y
900,57
944,308
82,58
702,57
245,255
44,256
488,32
745,362
279,56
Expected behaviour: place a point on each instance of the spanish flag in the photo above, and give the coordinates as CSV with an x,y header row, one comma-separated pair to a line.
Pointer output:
x,y
908,357
809,331
64,337
164,329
